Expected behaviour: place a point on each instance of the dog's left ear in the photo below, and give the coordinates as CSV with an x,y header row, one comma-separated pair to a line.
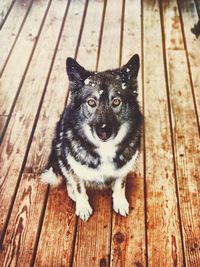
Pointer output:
x,y
75,71
130,69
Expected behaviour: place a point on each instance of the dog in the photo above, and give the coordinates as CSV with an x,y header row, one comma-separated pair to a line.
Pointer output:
x,y
98,136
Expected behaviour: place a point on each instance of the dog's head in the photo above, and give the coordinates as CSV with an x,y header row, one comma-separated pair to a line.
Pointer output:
x,y
105,101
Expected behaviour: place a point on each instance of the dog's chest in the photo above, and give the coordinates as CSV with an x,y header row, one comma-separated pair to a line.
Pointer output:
x,y
106,168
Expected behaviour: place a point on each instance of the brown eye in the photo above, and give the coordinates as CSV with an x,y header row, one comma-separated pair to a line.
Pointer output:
x,y
92,102
116,102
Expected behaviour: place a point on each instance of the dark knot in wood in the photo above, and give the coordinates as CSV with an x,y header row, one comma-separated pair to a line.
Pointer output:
x,y
119,237
103,262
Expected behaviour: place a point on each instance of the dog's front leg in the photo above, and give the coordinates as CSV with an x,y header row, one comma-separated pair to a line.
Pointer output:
x,y
83,208
120,203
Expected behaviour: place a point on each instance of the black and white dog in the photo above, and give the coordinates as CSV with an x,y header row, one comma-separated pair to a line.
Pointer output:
x,y
98,136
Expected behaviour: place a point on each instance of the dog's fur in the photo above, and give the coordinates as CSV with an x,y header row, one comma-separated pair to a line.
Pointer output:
x,y
97,138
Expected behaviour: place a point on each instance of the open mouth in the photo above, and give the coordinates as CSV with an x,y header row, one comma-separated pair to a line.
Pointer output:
x,y
103,131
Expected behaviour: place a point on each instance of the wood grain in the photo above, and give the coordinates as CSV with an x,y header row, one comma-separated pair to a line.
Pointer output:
x,y
109,54
189,19
5,6
186,146
10,30
89,44
186,141
172,26
164,239
16,141
9,86
128,233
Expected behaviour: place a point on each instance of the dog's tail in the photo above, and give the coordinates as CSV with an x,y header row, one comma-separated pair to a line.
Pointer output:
x,y
49,177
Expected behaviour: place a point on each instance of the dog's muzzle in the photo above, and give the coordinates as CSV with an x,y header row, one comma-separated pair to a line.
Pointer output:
x,y
103,131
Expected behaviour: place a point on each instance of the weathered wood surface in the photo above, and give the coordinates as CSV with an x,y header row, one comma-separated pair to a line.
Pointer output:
x,y
163,233
38,226
185,138
109,54
16,68
190,18
5,7
10,30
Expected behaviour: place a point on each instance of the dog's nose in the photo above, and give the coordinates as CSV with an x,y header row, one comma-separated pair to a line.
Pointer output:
x,y
104,131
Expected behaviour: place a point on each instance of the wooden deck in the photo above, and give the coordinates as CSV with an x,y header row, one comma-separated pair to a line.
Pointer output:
x,y
38,226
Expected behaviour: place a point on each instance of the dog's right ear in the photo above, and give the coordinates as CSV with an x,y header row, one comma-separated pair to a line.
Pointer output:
x,y
75,71
130,70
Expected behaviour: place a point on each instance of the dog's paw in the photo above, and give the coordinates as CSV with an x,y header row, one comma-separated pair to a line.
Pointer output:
x,y
121,206
83,210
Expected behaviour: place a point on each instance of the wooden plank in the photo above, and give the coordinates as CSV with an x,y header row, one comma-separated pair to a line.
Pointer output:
x,y
190,18
128,233
5,6
163,233
109,54
186,141
27,40
11,29
91,33
56,243
92,240
17,136
173,38
186,145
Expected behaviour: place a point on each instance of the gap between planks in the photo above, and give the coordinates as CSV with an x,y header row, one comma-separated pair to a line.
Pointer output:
x,y
5,10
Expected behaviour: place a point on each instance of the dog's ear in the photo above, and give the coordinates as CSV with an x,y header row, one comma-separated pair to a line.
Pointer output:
x,y
75,71
131,68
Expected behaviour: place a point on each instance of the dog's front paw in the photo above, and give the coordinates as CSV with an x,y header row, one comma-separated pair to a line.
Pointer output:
x,y
83,210
121,206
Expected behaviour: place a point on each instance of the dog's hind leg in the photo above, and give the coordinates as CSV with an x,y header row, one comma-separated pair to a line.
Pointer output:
x,y
120,203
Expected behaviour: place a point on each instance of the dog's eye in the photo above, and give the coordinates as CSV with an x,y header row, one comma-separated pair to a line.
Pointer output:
x,y
92,102
116,102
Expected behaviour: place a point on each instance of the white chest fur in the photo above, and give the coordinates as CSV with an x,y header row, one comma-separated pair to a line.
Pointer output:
x,y
106,168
